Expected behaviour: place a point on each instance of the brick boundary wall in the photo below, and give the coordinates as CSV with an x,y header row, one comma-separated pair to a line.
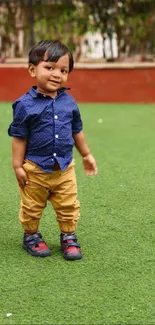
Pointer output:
x,y
100,83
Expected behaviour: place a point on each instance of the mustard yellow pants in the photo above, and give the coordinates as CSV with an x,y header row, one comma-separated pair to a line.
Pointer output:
x,y
60,188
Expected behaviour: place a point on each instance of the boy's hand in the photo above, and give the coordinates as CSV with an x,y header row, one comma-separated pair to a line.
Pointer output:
x,y
89,165
21,177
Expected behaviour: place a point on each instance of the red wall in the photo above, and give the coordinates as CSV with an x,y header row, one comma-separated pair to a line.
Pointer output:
x,y
89,85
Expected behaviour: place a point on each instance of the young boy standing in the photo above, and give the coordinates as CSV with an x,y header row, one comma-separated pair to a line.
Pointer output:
x,y
46,125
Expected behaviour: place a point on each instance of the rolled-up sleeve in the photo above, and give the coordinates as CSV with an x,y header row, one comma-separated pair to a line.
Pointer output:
x,y
19,126
77,122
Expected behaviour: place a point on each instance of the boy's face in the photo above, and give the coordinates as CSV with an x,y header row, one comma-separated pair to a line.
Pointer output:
x,y
50,76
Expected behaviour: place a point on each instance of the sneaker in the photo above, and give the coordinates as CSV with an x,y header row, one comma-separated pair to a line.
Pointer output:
x,y
35,245
70,247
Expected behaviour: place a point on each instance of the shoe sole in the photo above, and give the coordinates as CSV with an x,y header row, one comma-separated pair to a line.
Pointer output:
x,y
72,257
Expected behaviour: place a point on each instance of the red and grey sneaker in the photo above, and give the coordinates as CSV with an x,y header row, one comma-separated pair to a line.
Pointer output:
x,y
70,247
35,245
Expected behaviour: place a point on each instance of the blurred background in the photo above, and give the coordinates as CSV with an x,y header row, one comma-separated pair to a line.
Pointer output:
x,y
112,42
95,30
113,82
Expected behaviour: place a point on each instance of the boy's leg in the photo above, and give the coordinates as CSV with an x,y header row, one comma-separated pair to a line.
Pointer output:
x,y
33,200
67,207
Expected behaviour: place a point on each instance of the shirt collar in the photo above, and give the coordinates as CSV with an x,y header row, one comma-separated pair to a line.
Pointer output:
x,y
34,93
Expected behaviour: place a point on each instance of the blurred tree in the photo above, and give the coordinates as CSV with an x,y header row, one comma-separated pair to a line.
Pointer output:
x,y
132,20
31,22
12,24
27,21
65,20
22,22
137,31
104,14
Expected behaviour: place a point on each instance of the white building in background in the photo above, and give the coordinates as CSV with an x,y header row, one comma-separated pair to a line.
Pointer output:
x,y
92,46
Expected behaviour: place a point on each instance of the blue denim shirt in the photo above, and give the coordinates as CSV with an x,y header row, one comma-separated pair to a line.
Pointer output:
x,y
48,125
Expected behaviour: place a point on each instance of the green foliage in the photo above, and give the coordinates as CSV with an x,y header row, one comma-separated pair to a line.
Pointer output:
x,y
62,21
132,20
67,20
44,19
139,20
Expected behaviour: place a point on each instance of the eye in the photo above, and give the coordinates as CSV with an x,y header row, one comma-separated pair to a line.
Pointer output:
x,y
49,68
63,71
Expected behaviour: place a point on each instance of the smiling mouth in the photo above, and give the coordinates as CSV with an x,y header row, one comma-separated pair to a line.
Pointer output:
x,y
54,82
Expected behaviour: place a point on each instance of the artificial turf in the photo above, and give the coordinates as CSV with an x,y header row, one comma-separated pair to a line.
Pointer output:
x,y
114,283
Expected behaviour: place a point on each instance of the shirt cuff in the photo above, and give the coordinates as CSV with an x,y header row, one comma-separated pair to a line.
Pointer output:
x,y
17,132
77,129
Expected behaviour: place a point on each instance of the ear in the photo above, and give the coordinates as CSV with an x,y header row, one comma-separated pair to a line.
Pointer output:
x,y
32,70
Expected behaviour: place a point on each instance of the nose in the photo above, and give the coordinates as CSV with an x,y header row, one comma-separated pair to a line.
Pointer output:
x,y
56,73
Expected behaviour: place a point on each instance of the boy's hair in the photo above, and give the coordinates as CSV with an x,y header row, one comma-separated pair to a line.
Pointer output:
x,y
54,49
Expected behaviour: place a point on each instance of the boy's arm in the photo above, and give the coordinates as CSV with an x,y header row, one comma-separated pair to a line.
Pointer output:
x,y
89,162
18,153
81,144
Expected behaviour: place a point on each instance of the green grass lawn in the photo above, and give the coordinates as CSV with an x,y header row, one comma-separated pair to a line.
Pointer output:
x,y
115,281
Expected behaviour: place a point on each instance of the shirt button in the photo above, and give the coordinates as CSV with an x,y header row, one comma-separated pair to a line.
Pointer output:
x,y
56,116
54,154
56,136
